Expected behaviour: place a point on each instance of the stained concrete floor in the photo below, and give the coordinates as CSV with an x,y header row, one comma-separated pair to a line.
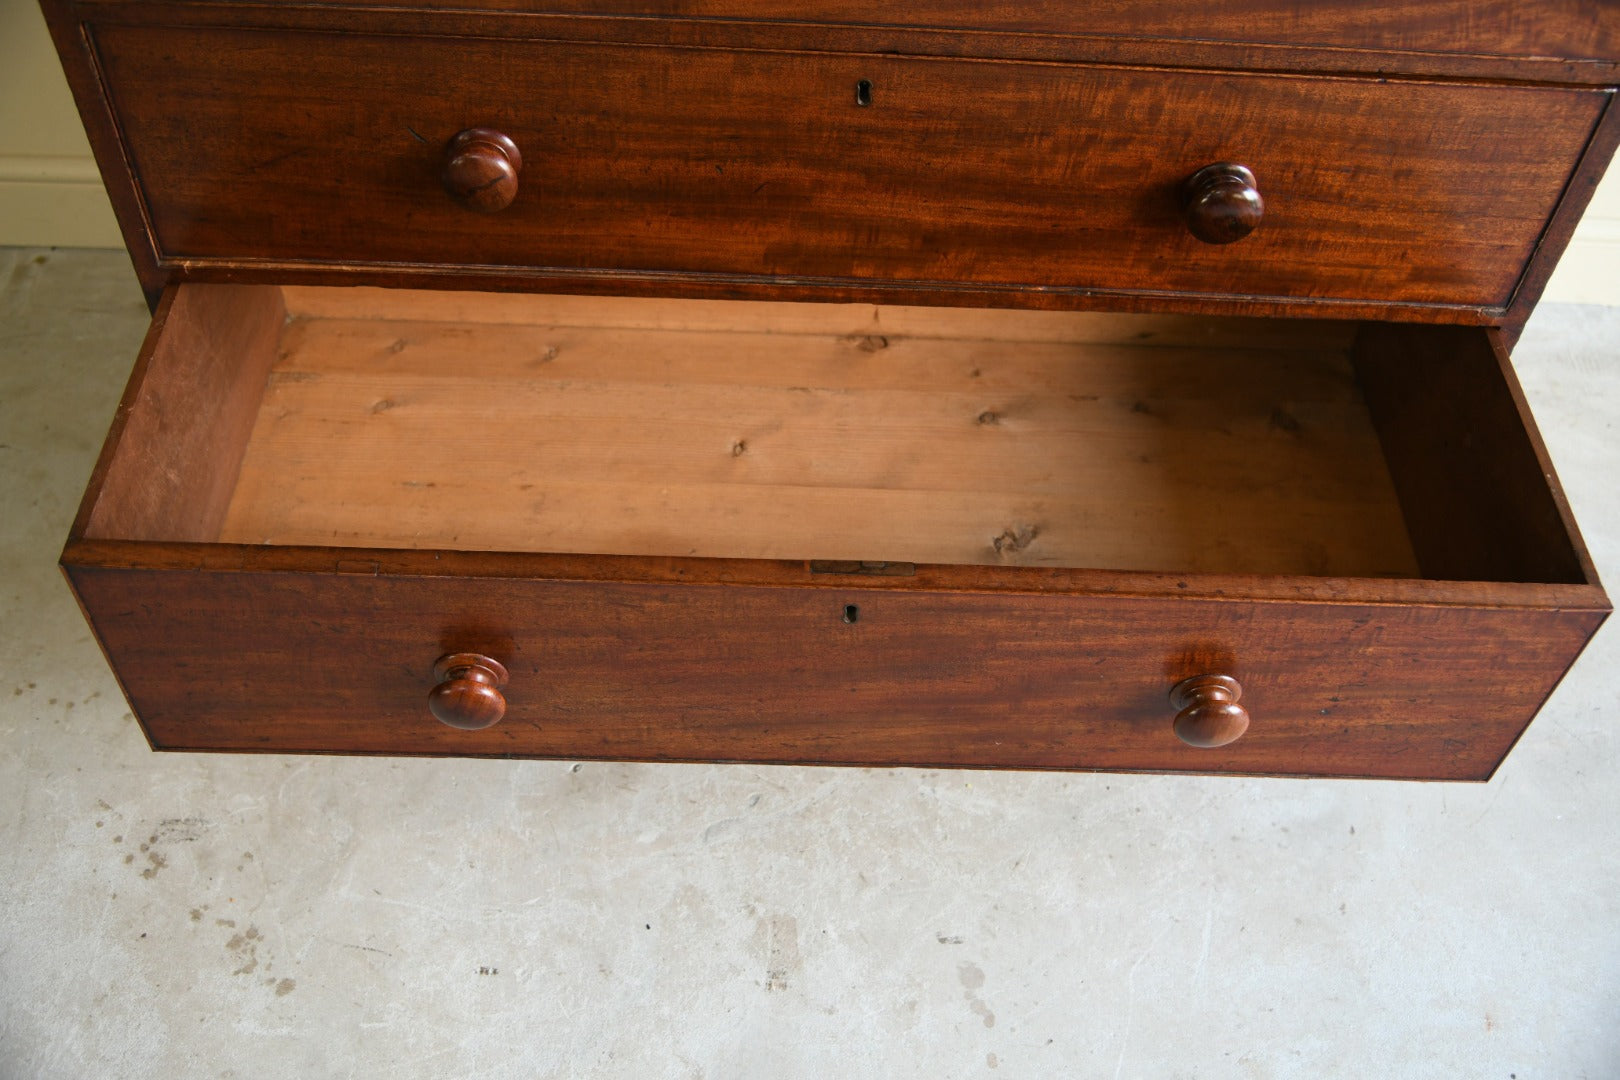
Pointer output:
x,y
214,916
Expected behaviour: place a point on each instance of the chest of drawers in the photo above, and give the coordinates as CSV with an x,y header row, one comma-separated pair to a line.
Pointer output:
x,y
958,384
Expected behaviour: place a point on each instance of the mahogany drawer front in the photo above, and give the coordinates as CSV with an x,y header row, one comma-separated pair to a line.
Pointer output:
x,y
311,498
307,662
264,149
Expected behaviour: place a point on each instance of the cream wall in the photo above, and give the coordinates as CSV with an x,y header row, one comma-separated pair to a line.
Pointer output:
x,y
50,193
1589,272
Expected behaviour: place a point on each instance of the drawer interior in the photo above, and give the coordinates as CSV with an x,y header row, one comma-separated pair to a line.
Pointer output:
x,y
367,418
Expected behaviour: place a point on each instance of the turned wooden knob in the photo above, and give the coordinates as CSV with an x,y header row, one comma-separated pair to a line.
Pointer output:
x,y
1209,713
1221,203
468,691
481,169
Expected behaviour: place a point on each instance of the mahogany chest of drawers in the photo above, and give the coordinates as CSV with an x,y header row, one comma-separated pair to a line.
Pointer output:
x,y
1059,386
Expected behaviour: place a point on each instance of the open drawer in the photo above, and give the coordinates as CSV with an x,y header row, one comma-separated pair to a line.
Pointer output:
x,y
727,531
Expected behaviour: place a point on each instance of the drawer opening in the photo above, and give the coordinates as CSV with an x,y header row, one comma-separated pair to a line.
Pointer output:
x,y
367,418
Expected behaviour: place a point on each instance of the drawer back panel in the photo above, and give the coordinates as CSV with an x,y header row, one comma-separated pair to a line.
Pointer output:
x,y
294,148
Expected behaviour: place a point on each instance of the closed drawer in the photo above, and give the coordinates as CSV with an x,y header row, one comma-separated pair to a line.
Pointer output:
x,y
806,533
307,151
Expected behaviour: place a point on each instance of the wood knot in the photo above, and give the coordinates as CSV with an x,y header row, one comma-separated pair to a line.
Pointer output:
x,y
1283,420
869,342
1015,539
739,448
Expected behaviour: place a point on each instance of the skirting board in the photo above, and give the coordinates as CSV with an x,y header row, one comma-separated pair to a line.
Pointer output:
x,y
54,202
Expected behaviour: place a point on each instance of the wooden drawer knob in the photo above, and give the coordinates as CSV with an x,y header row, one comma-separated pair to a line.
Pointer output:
x,y
481,169
1209,713
468,691
1222,203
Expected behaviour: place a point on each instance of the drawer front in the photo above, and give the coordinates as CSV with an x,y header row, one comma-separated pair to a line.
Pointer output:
x,y
284,661
310,149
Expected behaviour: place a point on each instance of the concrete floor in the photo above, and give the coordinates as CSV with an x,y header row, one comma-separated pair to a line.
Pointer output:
x,y
176,916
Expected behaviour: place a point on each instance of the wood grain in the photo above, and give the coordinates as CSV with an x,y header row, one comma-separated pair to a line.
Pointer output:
x,y
756,444
481,170
1569,28
1424,161
856,320
1480,497
170,463
659,658
756,164
777,574
736,287
1557,40
1578,196
1209,715
728,673
72,42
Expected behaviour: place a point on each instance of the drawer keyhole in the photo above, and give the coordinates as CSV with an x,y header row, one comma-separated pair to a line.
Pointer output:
x,y
852,613
863,93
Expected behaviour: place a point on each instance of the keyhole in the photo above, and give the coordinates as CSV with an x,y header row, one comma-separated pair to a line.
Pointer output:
x,y
851,613
863,93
